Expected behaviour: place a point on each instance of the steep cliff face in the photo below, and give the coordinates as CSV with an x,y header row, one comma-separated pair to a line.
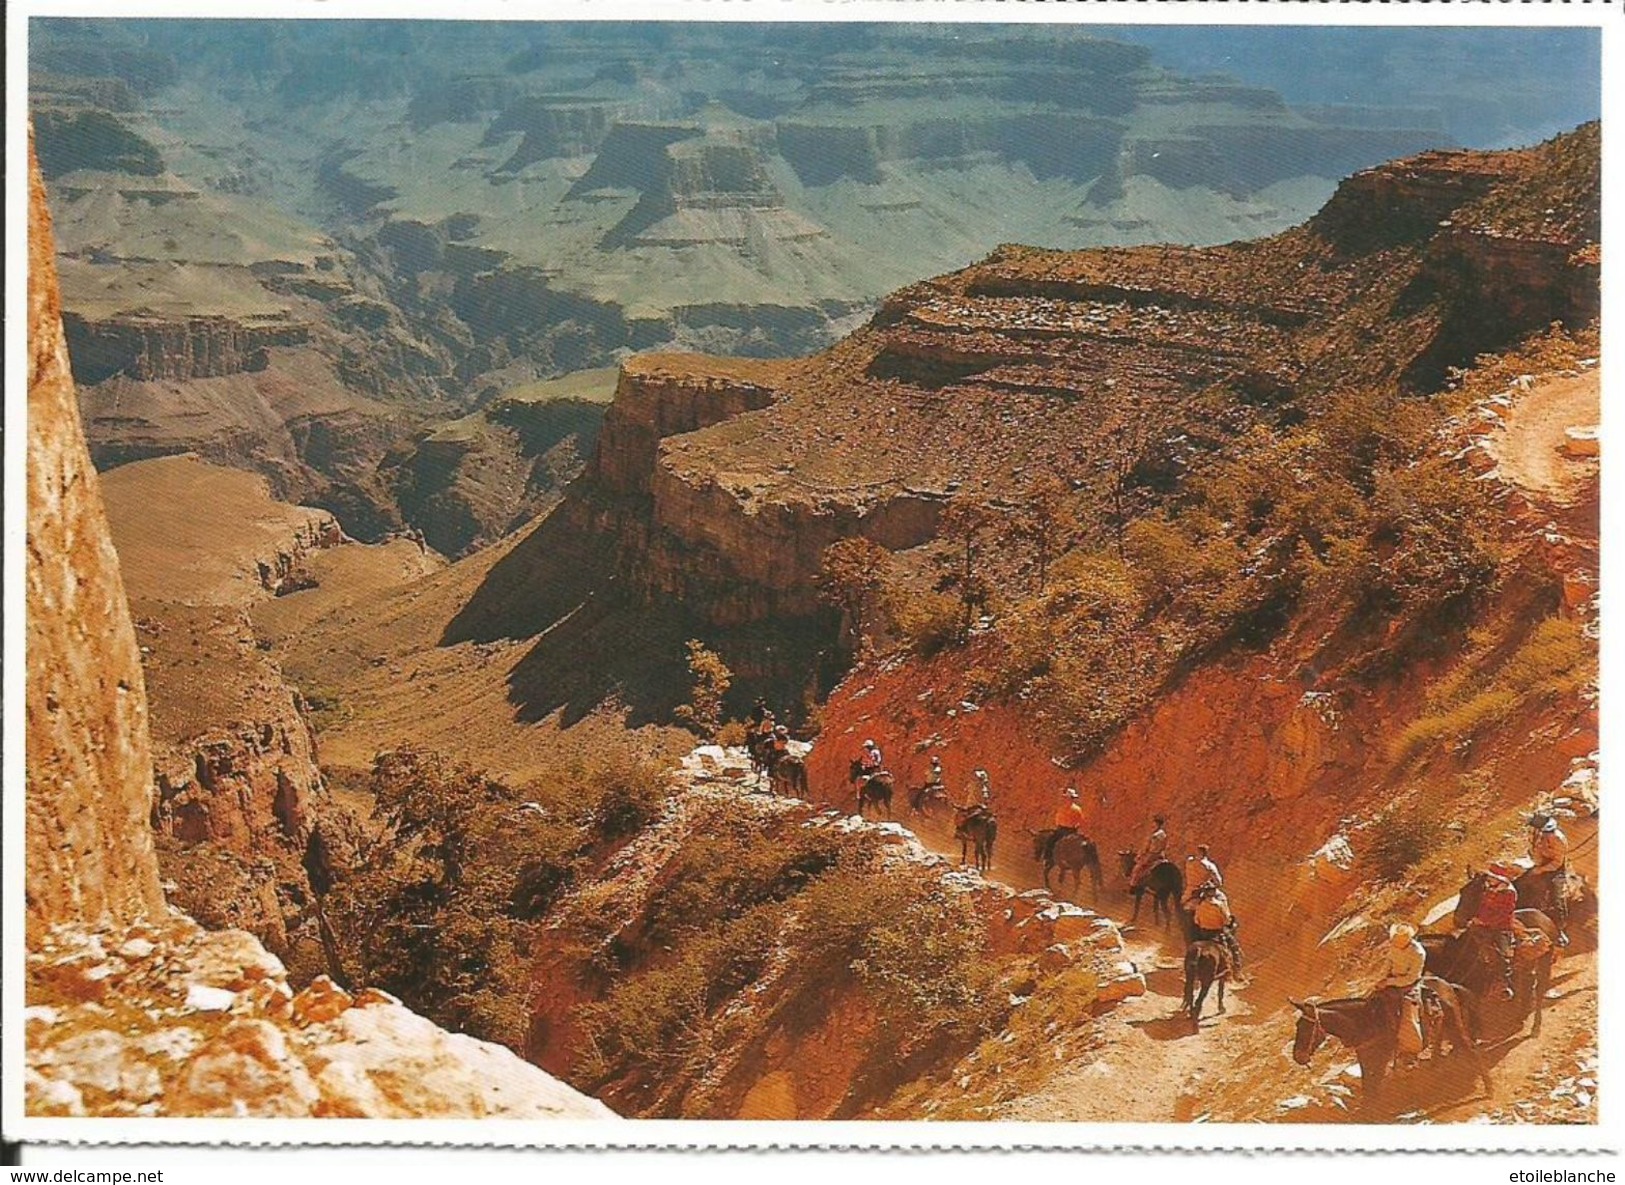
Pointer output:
x,y
132,1009
147,348
89,788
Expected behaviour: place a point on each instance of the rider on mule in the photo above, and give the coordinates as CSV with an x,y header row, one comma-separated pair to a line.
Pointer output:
x,y
1495,918
1069,820
981,793
1549,849
1401,984
934,790
1153,853
1212,921
1200,871
870,760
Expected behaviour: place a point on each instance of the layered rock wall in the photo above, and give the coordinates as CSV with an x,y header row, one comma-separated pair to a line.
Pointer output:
x,y
150,348
663,395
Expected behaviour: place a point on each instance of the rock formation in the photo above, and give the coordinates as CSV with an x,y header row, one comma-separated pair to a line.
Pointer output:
x,y
311,316
718,484
133,1010
89,849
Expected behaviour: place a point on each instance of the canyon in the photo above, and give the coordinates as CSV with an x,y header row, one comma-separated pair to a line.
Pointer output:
x,y
367,684
133,1009
351,298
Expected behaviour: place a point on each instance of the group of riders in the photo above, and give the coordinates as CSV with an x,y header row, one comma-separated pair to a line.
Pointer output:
x,y
1204,902
1495,922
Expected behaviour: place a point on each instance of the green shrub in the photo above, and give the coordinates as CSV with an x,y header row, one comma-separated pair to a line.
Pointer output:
x,y
711,679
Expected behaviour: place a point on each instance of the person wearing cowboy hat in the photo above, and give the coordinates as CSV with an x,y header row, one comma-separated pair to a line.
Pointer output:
x,y
981,792
1153,853
870,759
781,741
1068,821
1200,870
1549,850
1401,983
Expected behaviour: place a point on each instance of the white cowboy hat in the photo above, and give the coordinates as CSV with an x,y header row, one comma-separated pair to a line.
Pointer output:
x,y
1400,933
868,744
1071,793
1550,824
982,773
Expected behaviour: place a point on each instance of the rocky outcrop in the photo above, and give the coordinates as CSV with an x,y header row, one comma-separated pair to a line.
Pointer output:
x,y
552,126
660,395
767,1032
474,481
133,1010
162,1018
89,790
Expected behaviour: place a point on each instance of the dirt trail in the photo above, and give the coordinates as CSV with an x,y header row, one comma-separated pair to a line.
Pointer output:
x,y
1144,1039
1530,444
1152,1065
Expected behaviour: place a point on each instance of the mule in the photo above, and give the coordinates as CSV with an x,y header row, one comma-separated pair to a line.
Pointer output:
x,y
1369,1026
760,751
873,790
1535,892
976,829
1469,957
1071,854
924,800
1207,962
787,776
1164,881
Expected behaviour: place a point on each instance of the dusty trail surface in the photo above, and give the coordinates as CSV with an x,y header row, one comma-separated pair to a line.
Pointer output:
x,y
1152,1065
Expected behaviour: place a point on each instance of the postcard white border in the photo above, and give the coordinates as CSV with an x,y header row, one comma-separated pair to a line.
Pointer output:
x,y
786,1134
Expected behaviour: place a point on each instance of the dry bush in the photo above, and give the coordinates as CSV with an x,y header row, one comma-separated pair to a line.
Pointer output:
x,y
733,734
439,906
734,862
925,621
1397,841
814,906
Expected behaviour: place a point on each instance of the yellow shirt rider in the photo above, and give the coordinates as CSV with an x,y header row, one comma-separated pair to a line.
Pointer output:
x,y
1068,821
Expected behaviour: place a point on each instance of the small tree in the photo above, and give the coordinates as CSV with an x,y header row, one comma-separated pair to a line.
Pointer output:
x,y
1124,445
1046,519
854,572
712,678
964,521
